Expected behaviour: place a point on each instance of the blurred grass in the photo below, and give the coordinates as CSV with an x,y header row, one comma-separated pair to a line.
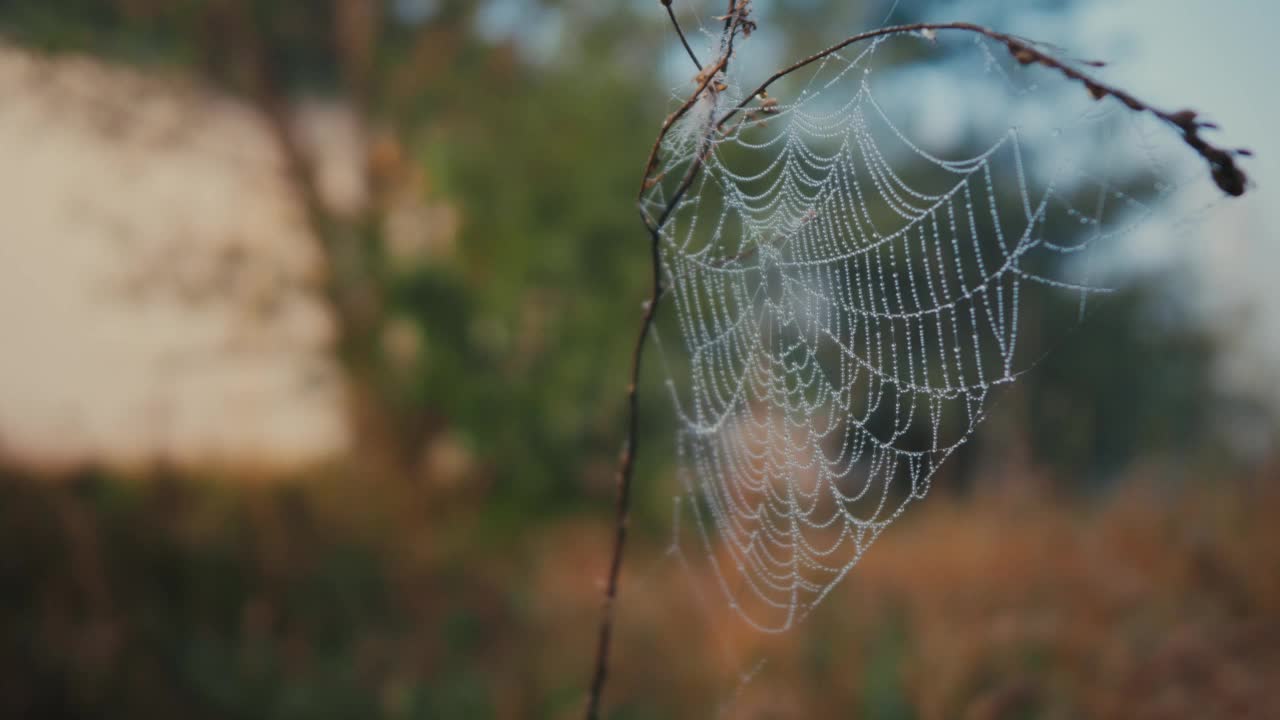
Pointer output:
x,y
146,600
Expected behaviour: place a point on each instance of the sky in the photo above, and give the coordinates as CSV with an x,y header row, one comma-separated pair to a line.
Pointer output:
x,y
1219,58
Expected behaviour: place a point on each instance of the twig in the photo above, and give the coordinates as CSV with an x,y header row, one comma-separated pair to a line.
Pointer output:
x,y
676,24
626,468
1229,177
626,462
706,79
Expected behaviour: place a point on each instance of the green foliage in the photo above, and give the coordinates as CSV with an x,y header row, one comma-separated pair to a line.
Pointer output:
x,y
150,33
1132,381
530,350
886,696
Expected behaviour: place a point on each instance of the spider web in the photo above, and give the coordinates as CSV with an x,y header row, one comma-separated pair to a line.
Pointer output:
x,y
849,302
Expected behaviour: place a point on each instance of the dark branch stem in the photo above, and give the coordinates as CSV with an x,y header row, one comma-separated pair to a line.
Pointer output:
x,y
626,463
626,470
672,119
679,32
1230,178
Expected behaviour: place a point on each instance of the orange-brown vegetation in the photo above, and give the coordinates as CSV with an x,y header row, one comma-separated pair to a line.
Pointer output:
x,y
1150,602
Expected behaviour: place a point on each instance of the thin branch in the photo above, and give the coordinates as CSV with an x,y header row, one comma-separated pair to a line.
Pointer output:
x,y
706,80
626,470
626,463
1222,165
1228,176
676,24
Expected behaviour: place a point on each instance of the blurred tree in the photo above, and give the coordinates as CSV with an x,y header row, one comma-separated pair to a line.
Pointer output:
x,y
522,124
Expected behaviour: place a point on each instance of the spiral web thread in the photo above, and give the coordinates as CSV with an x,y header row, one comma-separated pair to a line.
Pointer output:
x,y
845,324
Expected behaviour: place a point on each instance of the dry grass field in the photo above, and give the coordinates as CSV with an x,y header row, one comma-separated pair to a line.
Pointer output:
x,y
144,600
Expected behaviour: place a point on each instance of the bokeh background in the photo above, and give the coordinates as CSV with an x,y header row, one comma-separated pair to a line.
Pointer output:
x,y
314,324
